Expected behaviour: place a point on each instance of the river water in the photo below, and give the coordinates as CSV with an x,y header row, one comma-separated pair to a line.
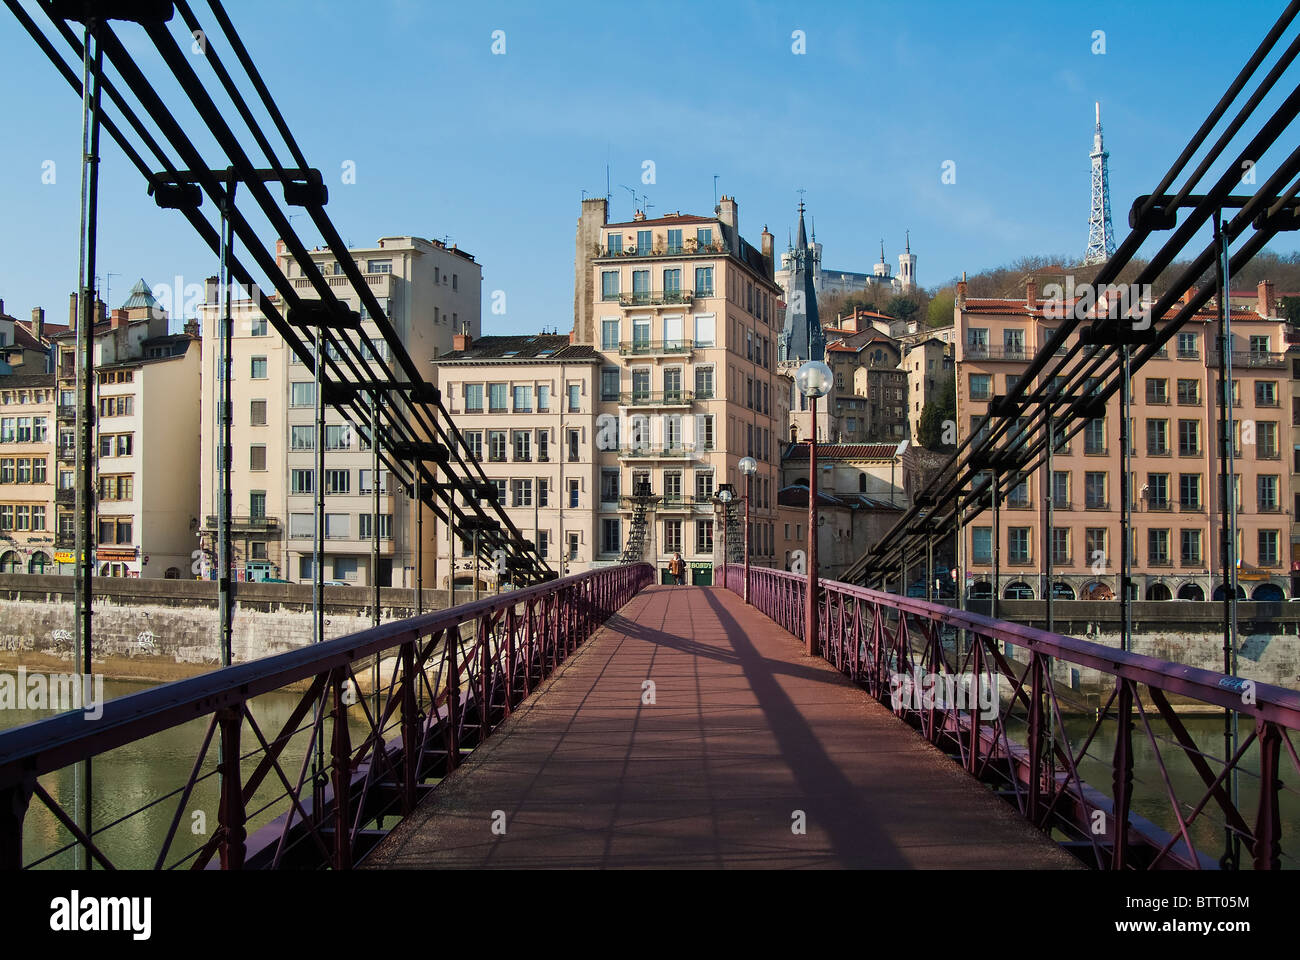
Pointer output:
x,y
139,773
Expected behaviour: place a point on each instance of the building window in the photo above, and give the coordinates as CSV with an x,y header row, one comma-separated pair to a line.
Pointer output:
x,y
257,457
1189,392
1157,390
365,530
301,481
363,481
981,545
257,413
1266,393
609,285
379,266
574,488
1189,438
1094,490
338,526
338,481
610,535
1267,490
1189,491
338,436
609,334
523,444
609,383
703,281
302,394
497,397
1157,438
1266,440
1018,544
1061,546
1190,547
473,397
1094,437
575,397
523,399
573,440
674,242
259,368
496,446
703,486
1158,547
1268,555
474,441
704,536
1061,489
609,486
615,243
521,493
1187,346
1095,545
672,536
981,386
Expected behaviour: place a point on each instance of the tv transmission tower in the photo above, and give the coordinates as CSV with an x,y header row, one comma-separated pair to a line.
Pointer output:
x,y
1101,232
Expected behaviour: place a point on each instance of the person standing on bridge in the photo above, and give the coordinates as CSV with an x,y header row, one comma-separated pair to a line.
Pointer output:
x,y
677,567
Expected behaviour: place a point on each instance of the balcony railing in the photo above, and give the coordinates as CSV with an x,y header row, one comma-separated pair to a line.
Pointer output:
x,y
245,523
650,348
65,411
1251,359
665,452
689,248
643,298
981,351
665,398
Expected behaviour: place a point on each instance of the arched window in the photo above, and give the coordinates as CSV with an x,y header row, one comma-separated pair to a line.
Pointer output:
x,y
1018,591
1220,593
1096,590
173,573
10,562
980,590
1158,591
1062,591
1191,591
39,562
1268,592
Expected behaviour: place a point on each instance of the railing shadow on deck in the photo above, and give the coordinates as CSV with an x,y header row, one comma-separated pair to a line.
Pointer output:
x,y
982,691
452,677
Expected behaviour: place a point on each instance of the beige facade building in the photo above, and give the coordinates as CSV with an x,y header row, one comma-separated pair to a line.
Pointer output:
x,y
526,405
430,292
684,314
929,367
1176,487
146,444
27,473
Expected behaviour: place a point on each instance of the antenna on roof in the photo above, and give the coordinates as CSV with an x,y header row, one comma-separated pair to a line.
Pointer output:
x,y
715,189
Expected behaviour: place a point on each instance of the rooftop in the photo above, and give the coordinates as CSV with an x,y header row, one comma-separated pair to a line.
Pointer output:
x,y
542,347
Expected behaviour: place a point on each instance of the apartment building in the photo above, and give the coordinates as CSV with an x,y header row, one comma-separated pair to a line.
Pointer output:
x,y
928,364
526,405
429,291
27,473
25,348
146,443
1176,488
685,316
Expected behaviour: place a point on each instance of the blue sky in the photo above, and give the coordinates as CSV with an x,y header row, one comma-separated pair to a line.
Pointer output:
x,y
493,151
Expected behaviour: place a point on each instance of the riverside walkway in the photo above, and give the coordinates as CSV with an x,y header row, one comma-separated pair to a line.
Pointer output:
x,y
740,752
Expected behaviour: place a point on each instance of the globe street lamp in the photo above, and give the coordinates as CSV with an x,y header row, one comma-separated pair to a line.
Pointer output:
x,y
749,467
725,494
814,380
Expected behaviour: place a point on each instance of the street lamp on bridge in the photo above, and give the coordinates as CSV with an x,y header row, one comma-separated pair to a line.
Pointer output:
x,y
814,380
749,467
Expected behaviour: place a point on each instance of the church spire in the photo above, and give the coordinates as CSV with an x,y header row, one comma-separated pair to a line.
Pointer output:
x,y
802,336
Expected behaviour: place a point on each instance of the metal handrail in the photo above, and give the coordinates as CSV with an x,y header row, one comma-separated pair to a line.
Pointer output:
x,y
879,639
457,673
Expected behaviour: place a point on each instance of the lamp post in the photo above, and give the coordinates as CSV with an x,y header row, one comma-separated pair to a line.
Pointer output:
x,y
814,380
749,467
725,494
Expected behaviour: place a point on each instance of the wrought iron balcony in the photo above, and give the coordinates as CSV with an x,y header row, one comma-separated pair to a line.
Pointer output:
x,y
666,398
982,351
243,523
641,298
650,348
1251,360
65,411
663,452
690,247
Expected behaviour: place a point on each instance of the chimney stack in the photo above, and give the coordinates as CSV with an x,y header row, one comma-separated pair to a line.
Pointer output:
x,y
461,341
2,308
727,213
101,310
1031,292
1265,294
117,318
38,323
72,311
769,246
210,286
961,291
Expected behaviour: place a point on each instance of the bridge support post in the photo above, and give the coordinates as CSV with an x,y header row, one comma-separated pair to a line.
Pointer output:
x,y
341,761
1122,774
411,739
1267,848
452,636
1035,737
230,811
14,801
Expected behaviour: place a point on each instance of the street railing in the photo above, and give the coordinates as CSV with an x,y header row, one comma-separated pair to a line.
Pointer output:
x,y
317,788
1034,741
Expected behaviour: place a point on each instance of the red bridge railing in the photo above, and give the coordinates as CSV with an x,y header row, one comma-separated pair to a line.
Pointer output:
x,y
1034,741
360,758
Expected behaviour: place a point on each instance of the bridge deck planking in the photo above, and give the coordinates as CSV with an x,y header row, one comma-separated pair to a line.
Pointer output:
x,y
745,730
